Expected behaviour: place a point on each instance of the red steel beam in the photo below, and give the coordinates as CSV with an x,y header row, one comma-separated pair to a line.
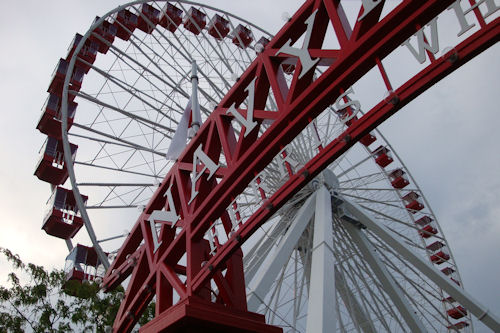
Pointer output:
x,y
439,69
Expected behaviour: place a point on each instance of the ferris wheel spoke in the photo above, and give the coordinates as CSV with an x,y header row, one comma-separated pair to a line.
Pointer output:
x,y
371,301
187,56
124,57
110,193
116,169
219,55
256,256
261,282
372,290
389,217
137,94
363,180
431,272
117,184
359,315
130,203
353,167
111,238
375,189
408,241
112,207
103,146
302,148
120,142
304,282
355,272
274,309
129,145
425,312
389,203
151,124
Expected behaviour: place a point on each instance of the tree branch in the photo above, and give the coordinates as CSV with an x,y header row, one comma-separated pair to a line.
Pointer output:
x,y
22,315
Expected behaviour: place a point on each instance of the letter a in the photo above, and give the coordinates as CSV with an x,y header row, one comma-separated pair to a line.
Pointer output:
x,y
199,155
160,215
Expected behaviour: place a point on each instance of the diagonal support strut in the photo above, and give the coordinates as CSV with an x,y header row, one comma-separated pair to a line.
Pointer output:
x,y
478,310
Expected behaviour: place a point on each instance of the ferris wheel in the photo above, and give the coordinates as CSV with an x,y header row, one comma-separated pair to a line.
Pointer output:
x,y
238,179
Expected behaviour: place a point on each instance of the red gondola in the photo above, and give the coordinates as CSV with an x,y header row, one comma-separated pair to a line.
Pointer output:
x,y
448,270
83,264
458,326
457,312
440,257
423,221
50,120
51,168
107,32
148,19
383,156
171,18
218,27
263,41
368,139
58,76
398,179
242,36
62,219
125,23
195,20
428,231
87,54
412,203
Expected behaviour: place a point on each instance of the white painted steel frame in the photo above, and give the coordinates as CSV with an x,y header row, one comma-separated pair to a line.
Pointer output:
x,y
261,283
321,314
389,284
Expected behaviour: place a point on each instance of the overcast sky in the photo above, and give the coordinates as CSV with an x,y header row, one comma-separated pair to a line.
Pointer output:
x,y
448,137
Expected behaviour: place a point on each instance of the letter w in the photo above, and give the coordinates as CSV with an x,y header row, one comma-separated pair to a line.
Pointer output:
x,y
423,44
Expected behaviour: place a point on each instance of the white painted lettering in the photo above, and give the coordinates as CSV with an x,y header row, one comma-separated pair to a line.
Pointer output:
x,y
160,215
200,156
460,13
213,236
234,215
303,53
247,122
423,45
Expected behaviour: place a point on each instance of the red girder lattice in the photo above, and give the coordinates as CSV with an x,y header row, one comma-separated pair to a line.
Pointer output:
x,y
362,47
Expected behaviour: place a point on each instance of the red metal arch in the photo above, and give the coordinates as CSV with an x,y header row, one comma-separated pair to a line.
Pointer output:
x,y
362,48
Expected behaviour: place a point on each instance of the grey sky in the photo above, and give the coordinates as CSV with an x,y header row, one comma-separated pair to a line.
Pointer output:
x,y
447,137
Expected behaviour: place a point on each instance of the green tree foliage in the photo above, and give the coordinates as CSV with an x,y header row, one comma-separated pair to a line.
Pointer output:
x,y
41,301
